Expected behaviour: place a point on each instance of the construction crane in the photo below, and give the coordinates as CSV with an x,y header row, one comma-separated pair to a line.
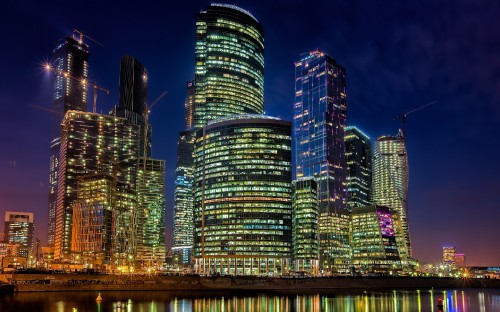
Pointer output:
x,y
404,114
81,35
84,82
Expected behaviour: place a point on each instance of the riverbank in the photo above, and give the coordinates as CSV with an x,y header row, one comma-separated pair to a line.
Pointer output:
x,y
96,282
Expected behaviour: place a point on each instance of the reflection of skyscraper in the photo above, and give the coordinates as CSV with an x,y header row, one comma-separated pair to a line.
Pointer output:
x,y
229,70
319,122
19,229
390,179
71,57
359,166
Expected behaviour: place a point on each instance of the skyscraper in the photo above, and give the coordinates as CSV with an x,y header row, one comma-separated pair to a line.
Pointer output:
x,y
243,196
19,229
449,255
359,167
90,143
390,180
305,225
229,68
318,128
189,104
70,57
133,97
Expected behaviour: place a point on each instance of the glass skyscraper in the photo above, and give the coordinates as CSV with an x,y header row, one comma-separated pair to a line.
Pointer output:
x,y
390,180
70,57
19,229
359,167
229,67
243,196
318,128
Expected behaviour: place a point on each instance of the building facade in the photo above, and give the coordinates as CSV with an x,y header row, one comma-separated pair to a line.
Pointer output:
x,y
318,128
305,226
90,143
390,180
449,255
19,229
229,68
359,167
70,57
243,196
375,231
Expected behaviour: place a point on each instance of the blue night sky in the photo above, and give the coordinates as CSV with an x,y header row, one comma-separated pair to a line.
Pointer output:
x,y
398,55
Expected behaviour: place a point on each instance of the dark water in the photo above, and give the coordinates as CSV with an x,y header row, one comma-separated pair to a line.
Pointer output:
x,y
473,300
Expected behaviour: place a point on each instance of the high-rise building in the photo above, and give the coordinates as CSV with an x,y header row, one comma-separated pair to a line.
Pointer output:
x,y
449,255
359,167
151,213
460,260
19,229
318,128
90,143
69,59
229,68
183,199
189,104
305,225
390,180
133,97
375,231
104,223
243,196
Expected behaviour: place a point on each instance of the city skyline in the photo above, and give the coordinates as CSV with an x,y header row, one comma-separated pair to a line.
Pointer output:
x,y
440,196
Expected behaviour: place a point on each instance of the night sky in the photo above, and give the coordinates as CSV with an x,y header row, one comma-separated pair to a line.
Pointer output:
x,y
397,56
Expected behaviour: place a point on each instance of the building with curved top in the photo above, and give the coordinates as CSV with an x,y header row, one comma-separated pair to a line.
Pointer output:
x,y
243,196
229,64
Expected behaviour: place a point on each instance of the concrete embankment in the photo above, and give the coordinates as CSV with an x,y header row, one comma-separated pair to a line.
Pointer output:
x,y
76,282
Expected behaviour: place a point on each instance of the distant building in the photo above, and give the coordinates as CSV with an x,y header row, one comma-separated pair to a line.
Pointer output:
x,y
243,196
375,231
319,129
359,167
390,181
70,57
189,104
19,229
460,260
305,225
449,255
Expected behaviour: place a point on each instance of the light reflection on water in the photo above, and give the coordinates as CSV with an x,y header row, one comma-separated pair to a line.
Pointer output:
x,y
467,300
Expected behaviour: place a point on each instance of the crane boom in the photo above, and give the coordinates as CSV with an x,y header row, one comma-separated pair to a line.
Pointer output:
x,y
81,34
404,114
421,107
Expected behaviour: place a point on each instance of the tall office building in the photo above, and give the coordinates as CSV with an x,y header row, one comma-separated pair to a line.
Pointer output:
x,y
460,260
70,57
358,152
390,180
189,104
243,196
449,253
305,225
375,231
90,143
229,68
318,128
151,213
183,199
19,229
133,97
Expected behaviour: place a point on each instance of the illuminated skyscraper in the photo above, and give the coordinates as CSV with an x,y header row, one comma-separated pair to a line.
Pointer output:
x,y
305,225
243,196
229,70
70,57
151,213
460,260
19,229
189,104
449,255
359,167
91,143
318,128
133,97
390,180
375,231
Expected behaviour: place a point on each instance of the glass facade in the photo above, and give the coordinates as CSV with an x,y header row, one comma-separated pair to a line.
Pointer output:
x,y
375,231
318,128
243,202
390,180
71,57
305,226
229,68
19,229
90,143
359,167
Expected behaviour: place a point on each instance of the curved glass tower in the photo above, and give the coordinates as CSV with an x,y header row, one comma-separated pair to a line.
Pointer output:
x,y
229,68
243,203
